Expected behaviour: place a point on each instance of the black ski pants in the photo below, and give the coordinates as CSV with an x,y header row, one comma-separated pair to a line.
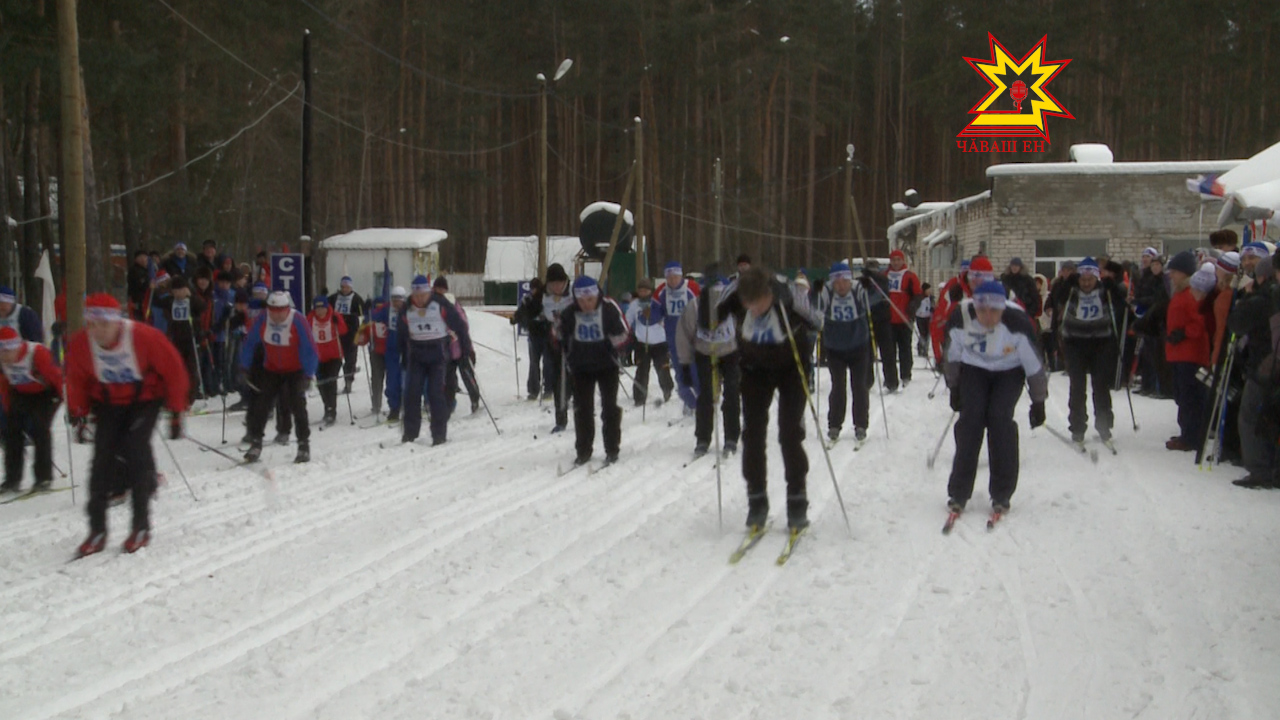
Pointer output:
x,y
758,387
659,357
429,374
900,337
584,411
288,393
29,413
350,354
377,375
1096,360
730,375
543,373
849,370
327,384
987,402
122,461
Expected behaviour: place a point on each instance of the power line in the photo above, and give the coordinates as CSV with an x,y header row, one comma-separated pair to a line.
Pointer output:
x,y
412,68
748,231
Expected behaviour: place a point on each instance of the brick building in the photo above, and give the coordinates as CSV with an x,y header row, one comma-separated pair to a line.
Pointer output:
x,y
1048,213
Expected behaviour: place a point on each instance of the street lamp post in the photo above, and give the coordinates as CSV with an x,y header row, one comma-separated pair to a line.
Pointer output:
x,y
542,170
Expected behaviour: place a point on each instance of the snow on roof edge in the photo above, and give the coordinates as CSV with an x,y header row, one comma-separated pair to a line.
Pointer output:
x,y
385,239
891,231
1115,168
604,205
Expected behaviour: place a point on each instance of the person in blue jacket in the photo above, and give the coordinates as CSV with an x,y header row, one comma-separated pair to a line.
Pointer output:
x,y
846,339
423,336
674,296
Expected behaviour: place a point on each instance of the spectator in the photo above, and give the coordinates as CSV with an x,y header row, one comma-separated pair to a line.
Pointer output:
x,y
1187,348
1023,287
208,257
1251,319
178,263
139,283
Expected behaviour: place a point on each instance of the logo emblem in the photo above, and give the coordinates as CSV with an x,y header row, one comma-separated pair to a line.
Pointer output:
x,y
1019,102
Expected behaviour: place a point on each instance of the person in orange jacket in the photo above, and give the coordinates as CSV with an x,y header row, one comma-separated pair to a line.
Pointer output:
x,y
123,372
31,389
328,328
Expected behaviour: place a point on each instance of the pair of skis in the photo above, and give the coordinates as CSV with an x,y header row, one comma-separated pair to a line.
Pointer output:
x,y
33,493
756,534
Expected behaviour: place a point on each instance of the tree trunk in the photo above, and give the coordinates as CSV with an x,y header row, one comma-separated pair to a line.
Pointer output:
x,y
29,256
96,256
5,247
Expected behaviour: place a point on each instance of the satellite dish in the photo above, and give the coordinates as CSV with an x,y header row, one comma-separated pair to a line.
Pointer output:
x,y
597,227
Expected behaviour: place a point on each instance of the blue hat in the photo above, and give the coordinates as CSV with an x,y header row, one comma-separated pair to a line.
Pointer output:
x,y
1256,249
840,271
1184,262
7,295
421,282
964,264
1089,266
673,266
1016,262
261,286
990,294
320,301
346,280
585,286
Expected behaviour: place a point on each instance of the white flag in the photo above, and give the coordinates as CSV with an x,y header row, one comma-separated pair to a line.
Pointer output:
x,y
47,316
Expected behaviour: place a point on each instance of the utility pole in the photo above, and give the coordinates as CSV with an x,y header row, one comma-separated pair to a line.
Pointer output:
x,y
305,233
72,180
853,210
718,186
641,245
542,181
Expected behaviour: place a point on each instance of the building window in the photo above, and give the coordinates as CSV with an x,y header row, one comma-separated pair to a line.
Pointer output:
x,y
943,255
1051,254
1173,246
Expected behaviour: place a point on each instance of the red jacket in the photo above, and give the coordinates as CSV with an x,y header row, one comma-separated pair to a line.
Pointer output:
x,y
942,312
1184,314
33,372
327,333
904,286
143,366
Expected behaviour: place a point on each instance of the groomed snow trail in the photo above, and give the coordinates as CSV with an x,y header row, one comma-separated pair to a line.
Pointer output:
x,y
471,581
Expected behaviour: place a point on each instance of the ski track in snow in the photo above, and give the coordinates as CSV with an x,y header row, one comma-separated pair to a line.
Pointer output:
x,y
470,581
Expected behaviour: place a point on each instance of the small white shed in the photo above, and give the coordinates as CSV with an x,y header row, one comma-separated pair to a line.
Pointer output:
x,y
509,260
360,254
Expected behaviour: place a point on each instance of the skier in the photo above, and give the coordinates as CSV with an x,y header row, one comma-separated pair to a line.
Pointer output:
x,y
327,328
647,322
375,334
1092,313
395,370
846,338
1251,319
181,311
19,317
698,341
123,372
351,307
991,350
459,364
423,335
528,315
592,331
554,301
774,323
674,296
289,362
31,389
924,311
904,288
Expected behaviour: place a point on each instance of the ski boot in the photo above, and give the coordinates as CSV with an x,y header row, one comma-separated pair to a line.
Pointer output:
x,y
860,434
254,452
701,449
797,514
956,506
393,416
833,434
330,416
582,458
282,438
611,458
137,540
92,545
757,511
304,452
438,441
730,447
475,406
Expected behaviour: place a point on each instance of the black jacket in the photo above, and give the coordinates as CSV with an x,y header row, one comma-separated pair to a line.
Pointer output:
x,y
778,353
1251,317
1023,287
593,347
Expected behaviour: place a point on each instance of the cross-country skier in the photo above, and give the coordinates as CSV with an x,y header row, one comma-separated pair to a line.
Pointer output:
x,y
181,310
459,365
904,288
348,304
652,349
991,351
327,328
289,363
593,331
763,308
1092,313
674,295
31,389
555,299
376,333
699,342
846,338
123,372
423,335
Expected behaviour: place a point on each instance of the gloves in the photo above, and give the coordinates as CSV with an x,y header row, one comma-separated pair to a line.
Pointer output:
x,y
1037,414
81,426
955,294
1177,336
175,426
686,375
308,384
512,319
956,405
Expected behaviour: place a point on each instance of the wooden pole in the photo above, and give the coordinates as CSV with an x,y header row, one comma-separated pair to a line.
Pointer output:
x,y
542,183
853,209
617,229
718,183
304,235
72,180
848,195
640,243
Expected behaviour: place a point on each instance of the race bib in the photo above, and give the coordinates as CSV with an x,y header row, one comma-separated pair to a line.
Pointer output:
x,y
20,373
182,310
676,300
323,331
426,323
723,333
118,364
765,330
342,304
552,307
379,330
588,327
1089,307
843,308
895,280
280,335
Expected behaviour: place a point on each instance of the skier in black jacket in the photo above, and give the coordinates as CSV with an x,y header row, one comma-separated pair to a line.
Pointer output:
x,y
591,331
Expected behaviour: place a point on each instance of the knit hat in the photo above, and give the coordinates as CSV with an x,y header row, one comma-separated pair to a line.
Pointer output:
x,y
420,282
440,283
744,258
989,294
101,306
161,277
1184,262
180,246
7,295
1089,266
897,254
345,281
644,284
585,287
210,243
556,273
1256,249
1016,262
840,271
1151,252
1205,278
398,291
260,288
673,267
1229,262
964,265
801,280
279,299
320,301
980,270
9,338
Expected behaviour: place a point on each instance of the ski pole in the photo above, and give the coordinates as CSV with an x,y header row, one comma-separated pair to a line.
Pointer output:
x,y
795,353
350,413
937,448
515,353
215,450
66,421
475,379
715,425
934,391
875,353
164,441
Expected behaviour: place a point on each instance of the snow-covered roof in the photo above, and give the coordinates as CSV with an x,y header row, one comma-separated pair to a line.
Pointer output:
x,y
1120,168
924,207
515,259
942,207
602,205
1097,153
386,239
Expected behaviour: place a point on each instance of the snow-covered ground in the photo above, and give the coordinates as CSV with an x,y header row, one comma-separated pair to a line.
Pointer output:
x,y
471,581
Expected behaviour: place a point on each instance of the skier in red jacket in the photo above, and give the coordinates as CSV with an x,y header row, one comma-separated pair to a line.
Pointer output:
x,y
31,389
123,372
328,328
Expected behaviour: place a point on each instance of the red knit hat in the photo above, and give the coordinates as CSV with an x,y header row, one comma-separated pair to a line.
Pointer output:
x,y
981,264
9,338
897,254
101,306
